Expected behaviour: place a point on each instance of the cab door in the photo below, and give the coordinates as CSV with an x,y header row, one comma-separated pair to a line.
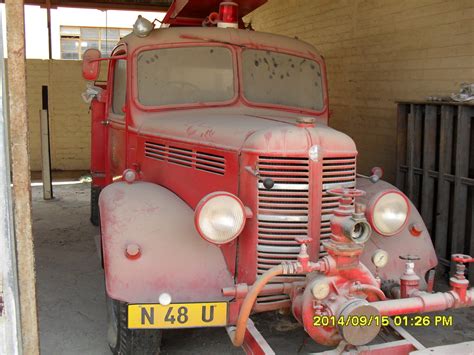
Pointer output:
x,y
116,121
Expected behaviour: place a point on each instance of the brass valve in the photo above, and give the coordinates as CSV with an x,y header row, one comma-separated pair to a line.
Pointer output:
x,y
303,257
409,281
409,263
458,281
460,260
349,224
347,195
409,257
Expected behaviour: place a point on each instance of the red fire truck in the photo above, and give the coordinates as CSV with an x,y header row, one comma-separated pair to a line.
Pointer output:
x,y
224,192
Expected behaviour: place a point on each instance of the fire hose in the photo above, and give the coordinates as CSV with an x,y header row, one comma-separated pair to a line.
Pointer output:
x,y
419,302
237,333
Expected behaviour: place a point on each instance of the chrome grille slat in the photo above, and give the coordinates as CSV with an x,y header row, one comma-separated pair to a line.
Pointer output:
x,y
278,249
285,242
283,210
282,218
338,184
288,187
282,214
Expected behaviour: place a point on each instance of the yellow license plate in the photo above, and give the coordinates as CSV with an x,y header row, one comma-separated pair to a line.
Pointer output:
x,y
179,315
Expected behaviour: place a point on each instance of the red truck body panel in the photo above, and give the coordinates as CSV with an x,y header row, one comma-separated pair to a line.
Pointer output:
x,y
182,153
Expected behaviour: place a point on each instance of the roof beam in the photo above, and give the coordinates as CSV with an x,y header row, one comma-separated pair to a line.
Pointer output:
x,y
139,5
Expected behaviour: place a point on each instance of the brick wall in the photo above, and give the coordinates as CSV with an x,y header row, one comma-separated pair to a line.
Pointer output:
x,y
69,117
378,51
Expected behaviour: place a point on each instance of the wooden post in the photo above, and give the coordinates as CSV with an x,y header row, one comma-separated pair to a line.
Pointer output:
x,y
445,153
20,163
429,164
45,148
401,143
417,154
461,151
411,152
9,293
48,17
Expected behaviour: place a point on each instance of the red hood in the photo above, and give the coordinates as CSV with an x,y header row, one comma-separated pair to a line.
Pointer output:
x,y
243,129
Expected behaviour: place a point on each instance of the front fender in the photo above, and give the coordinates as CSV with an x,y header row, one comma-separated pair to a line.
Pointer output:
x,y
400,244
174,258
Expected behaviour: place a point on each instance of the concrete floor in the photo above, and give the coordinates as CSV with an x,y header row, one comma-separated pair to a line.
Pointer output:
x,y
71,293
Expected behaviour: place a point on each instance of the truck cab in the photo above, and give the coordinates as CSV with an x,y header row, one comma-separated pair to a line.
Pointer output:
x,y
223,191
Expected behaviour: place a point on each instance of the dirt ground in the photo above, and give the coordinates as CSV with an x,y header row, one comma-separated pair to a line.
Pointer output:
x,y
72,304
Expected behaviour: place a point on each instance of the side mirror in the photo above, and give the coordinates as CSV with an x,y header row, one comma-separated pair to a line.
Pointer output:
x,y
91,64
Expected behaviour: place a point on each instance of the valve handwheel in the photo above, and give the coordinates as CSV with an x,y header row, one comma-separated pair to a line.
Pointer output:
x,y
462,258
409,257
345,192
303,240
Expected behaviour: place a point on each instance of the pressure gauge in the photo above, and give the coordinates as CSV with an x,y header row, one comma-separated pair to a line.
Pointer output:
x,y
380,258
321,290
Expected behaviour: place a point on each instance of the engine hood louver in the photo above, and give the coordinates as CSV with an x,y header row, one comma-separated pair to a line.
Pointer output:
x,y
207,162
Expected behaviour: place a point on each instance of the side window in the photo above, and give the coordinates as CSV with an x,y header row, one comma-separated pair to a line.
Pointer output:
x,y
120,86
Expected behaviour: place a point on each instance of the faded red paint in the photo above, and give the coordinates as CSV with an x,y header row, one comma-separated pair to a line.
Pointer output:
x,y
185,152
173,257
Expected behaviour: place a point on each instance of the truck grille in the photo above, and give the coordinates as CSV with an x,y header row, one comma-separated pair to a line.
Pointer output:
x,y
282,214
284,209
337,172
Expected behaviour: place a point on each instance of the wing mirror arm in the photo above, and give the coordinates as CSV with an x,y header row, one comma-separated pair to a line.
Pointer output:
x,y
91,63
377,174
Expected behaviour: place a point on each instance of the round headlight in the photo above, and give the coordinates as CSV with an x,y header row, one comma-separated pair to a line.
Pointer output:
x,y
388,213
220,217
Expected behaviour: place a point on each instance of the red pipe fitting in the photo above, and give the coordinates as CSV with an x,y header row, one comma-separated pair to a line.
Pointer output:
x,y
458,282
237,333
409,281
421,302
239,291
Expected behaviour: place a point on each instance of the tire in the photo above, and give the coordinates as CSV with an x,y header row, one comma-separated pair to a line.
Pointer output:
x,y
95,213
124,341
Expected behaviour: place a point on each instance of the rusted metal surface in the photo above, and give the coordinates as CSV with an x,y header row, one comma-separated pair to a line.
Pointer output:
x,y
435,154
255,343
20,164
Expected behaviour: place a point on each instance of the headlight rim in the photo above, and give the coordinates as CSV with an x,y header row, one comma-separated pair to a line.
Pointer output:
x,y
371,207
204,201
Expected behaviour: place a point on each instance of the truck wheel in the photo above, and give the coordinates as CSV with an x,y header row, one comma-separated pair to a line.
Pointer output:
x,y
95,215
124,341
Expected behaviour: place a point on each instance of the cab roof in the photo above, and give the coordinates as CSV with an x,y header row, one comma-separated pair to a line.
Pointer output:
x,y
238,37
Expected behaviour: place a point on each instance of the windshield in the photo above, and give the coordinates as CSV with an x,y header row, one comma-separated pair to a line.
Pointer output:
x,y
185,75
282,79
